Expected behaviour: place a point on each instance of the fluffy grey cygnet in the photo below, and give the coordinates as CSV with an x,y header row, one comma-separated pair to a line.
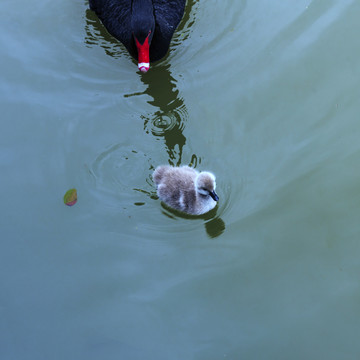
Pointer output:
x,y
185,189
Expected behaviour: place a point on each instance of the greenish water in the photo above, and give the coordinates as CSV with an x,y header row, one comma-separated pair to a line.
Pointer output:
x,y
265,95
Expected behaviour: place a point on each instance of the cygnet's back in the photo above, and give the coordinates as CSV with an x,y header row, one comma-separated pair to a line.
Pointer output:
x,y
185,189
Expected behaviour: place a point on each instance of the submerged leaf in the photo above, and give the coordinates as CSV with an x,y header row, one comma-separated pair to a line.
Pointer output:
x,y
70,198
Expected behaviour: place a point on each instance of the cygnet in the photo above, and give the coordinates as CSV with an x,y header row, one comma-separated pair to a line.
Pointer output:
x,y
185,189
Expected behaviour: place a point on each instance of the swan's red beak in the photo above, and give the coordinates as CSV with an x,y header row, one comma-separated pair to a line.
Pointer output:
x,y
143,55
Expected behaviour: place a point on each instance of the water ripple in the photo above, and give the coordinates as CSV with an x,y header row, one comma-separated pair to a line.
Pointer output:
x,y
119,171
163,123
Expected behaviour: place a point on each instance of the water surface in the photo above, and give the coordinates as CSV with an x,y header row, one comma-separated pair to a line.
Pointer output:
x,y
265,95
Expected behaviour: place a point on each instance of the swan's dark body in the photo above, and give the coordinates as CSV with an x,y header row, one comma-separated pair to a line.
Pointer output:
x,y
130,19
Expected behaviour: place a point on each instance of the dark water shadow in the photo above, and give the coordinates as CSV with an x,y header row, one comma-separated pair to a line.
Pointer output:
x,y
169,118
97,35
213,224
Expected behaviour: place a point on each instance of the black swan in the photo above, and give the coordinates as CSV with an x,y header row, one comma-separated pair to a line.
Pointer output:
x,y
145,27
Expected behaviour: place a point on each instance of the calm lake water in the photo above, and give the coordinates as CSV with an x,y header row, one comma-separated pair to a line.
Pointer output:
x,y
265,94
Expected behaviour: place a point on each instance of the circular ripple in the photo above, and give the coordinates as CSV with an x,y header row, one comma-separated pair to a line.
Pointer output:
x,y
120,171
163,123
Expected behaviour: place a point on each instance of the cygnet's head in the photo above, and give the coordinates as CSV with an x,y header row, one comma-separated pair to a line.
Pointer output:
x,y
205,185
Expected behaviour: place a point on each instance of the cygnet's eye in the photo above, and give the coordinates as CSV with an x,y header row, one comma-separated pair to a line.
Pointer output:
x,y
205,191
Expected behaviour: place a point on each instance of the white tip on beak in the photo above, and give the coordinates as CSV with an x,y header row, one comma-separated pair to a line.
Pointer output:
x,y
144,67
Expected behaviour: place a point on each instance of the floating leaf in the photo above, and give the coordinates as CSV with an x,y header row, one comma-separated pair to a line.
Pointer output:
x,y
70,198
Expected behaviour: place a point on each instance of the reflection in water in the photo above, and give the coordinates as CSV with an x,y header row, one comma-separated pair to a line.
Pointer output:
x,y
96,35
168,121
214,225
183,30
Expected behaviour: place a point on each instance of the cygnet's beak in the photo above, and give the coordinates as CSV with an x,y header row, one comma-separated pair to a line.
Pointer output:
x,y
214,195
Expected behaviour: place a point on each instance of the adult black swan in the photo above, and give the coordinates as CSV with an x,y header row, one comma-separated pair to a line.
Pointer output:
x,y
145,27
